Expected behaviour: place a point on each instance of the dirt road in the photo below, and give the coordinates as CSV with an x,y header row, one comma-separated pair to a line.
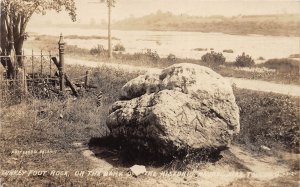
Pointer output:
x,y
292,90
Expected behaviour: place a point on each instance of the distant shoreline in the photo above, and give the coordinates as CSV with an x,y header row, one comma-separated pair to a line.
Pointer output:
x,y
167,30
287,25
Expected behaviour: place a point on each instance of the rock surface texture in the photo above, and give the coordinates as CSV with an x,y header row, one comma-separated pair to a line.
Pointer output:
x,y
184,108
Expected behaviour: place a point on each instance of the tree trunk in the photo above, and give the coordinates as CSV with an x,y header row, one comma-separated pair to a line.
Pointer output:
x,y
12,40
18,48
6,48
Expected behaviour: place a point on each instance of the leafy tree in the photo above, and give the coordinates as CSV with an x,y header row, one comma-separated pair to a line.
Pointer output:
x,y
15,15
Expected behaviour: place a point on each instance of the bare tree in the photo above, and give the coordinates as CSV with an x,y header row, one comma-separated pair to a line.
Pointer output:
x,y
15,15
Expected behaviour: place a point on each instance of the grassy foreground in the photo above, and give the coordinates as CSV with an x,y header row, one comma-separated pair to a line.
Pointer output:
x,y
56,125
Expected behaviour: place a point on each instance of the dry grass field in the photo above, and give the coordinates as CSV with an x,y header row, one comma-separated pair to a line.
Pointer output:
x,y
62,129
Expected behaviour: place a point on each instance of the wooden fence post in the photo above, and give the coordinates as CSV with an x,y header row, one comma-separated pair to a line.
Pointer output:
x,y
25,82
87,79
61,47
24,79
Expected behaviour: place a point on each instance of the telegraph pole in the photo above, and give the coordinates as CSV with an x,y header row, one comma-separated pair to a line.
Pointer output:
x,y
109,30
110,4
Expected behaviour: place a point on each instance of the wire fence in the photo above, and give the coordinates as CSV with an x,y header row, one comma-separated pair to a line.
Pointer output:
x,y
27,75
38,75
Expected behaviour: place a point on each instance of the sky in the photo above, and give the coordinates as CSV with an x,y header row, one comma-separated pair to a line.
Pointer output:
x,y
88,11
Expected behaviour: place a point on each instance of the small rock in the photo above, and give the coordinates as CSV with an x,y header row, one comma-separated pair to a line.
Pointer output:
x,y
78,144
61,116
137,170
265,148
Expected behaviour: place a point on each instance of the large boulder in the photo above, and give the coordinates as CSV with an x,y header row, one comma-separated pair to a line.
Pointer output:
x,y
184,108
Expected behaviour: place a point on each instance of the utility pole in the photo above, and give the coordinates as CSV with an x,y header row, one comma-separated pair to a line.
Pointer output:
x,y
110,4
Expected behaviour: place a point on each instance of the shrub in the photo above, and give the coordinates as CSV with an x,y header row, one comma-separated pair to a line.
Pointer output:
x,y
136,56
119,47
200,49
261,58
294,56
244,61
283,65
171,58
143,57
213,57
152,55
97,50
71,49
228,51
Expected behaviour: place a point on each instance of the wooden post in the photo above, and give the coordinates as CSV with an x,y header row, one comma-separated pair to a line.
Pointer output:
x,y
13,59
32,66
1,86
24,75
50,65
72,86
6,68
86,81
25,82
109,30
41,63
68,81
61,47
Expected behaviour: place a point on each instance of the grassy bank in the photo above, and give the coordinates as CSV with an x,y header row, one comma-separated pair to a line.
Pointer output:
x,y
268,119
55,125
58,124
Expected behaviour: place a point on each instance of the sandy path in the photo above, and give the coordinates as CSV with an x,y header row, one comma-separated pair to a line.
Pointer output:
x,y
263,168
292,90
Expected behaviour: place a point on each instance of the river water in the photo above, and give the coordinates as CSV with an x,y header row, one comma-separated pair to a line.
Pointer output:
x,y
182,44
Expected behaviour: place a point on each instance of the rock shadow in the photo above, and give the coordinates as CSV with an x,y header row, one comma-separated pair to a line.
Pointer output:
x,y
123,154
